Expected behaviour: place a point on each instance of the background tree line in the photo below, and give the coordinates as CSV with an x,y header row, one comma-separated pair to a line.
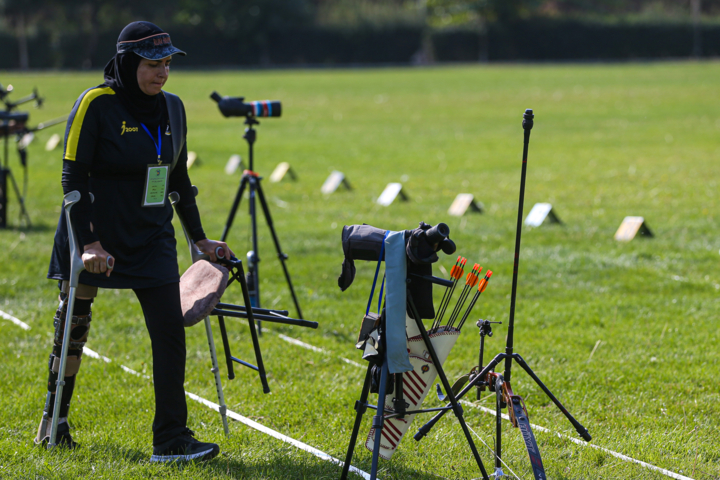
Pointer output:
x,y
82,33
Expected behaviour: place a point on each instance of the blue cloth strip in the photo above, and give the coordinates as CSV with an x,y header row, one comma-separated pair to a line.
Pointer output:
x,y
396,303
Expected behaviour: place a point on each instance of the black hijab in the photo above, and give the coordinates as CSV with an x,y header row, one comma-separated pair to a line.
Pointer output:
x,y
121,76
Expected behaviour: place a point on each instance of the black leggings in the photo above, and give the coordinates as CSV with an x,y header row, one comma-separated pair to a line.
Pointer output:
x,y
164,321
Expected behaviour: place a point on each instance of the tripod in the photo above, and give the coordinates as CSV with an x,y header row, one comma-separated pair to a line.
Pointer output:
x,y
385,413
250,179
12,123
500,383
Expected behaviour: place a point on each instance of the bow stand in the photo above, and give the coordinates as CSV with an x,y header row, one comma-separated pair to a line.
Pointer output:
x,y
500,383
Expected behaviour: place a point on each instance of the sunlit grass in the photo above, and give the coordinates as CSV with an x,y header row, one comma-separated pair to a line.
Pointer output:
x,y
609,141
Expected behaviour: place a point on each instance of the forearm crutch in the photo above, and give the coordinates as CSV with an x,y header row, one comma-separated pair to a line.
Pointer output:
x,y
196,255
76,267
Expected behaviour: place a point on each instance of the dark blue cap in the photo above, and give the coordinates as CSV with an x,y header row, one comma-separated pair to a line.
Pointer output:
x,y
146,40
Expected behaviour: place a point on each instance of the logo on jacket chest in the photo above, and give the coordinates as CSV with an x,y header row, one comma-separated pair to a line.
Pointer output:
x,y
125,128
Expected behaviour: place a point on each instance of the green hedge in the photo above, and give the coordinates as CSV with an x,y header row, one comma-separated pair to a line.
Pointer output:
x,y
545,39
529,40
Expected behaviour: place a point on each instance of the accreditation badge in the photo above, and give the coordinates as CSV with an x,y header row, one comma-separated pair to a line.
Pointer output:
x,y
156,182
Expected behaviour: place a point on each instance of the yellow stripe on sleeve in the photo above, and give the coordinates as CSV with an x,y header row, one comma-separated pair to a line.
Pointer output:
x,y
74,134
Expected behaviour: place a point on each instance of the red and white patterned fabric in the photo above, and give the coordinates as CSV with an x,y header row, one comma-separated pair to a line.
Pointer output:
x,y
416,384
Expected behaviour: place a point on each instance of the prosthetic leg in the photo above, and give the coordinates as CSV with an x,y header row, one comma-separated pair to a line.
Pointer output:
x,y
79,329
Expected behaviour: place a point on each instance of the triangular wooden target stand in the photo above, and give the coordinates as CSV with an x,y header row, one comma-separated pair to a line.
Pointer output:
x,y
541,212
233,164
280,171
631,227
464,202
333,181
391,192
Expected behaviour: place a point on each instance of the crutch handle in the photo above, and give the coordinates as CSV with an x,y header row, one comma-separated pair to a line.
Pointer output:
x,y
76,263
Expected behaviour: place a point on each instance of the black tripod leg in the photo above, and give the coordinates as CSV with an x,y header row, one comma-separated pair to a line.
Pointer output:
x,y
282,256
360,408
582,431
379,418
456,408
253,331
233,210
255,267
226,348
21,200
425,429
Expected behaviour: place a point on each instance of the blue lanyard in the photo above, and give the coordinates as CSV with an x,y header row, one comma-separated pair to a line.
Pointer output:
x,y
158,144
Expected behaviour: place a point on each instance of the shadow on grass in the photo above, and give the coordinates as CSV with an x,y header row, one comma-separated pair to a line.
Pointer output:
x,y
34,228
283,464
293,467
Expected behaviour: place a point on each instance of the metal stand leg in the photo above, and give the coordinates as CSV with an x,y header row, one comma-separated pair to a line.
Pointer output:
x,y
456,407
360,408
20,198
498,429
216,371
582,431
226,348
253,330
282,256
379,418
233,210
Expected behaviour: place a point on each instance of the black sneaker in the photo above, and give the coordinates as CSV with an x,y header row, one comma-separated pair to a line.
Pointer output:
x,y
184,448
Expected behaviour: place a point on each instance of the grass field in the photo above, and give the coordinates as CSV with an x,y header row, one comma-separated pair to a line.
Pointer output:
x,y
609,141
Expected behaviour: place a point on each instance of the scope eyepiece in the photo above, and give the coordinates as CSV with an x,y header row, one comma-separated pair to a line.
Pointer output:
x,y
438,233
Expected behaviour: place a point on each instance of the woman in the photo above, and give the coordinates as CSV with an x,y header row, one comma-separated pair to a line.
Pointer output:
x,y
120,146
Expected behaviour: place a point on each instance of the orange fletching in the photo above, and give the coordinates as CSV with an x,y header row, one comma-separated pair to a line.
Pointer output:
x,y
485,281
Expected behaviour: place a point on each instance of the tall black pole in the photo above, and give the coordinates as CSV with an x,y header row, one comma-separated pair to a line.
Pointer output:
x,y
527,126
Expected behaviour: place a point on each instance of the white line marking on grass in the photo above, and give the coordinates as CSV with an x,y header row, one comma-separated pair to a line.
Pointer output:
x,y
649,466
302,344
214,406
14,320
355,364
94,354
268,431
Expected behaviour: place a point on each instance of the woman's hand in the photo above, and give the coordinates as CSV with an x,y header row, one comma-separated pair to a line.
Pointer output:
x,y
209,246
95,259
